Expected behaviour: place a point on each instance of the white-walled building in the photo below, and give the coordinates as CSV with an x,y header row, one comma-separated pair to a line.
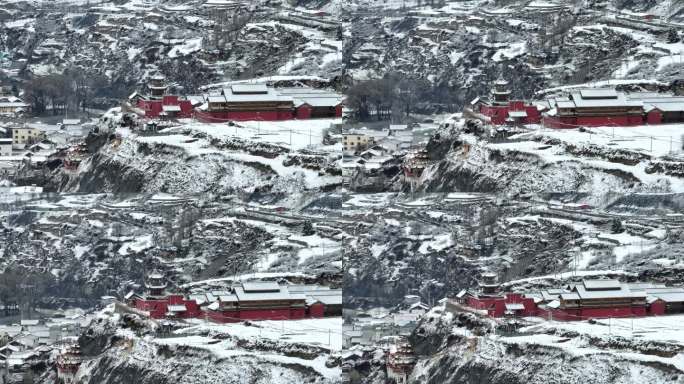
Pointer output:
x,y
6,147
25,135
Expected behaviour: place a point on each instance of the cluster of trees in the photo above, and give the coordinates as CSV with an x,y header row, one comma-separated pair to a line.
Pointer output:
x,y
24,288
395,96
73,89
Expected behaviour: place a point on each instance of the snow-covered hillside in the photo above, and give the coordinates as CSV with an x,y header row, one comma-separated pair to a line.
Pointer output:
x,y
119,347
461,47
594,161
576,352
249,157
118,44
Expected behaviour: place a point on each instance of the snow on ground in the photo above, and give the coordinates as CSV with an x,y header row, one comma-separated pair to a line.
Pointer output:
x,y
138,244
248,276
514,50
189,46
579,347
602,83
200,147
315,246
567,275
377,200
629,244
297,134
309,247
655,141
226,349
557,154
668,329
324,332
438,243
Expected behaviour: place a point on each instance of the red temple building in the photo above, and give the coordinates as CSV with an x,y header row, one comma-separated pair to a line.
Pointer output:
x,y
161,305
258,300
582,301
581,107
415,163
68,362
606,107
500,110
594,108
238,102
400,362
158,104
242,102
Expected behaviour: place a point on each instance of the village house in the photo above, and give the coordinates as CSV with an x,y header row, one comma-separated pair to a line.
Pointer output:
x,y
21,136
11,105
6,147
355,141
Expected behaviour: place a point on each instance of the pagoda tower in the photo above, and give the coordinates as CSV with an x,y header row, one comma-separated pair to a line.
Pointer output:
x,y
157,87
501,94
400,362
68,362
489,284
155,285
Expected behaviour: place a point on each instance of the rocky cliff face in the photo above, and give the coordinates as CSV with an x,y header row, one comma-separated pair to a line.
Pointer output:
x,y
468,353
139,164
122,348
532,163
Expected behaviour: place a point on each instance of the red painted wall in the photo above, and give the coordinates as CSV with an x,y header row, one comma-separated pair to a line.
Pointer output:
x,y
304,111
153,108
170,100
496,307
316,310
223,317
265,314
654,117
156,308
217,117
657,308
592,121
499,114
592,313
159,308
603,121
297,313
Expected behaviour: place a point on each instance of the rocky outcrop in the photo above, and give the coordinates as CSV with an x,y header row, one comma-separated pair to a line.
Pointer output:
x,y
131,165
519,360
